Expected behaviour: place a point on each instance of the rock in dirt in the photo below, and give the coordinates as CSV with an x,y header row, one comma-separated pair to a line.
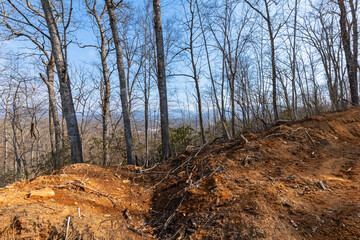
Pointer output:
x,y
42,193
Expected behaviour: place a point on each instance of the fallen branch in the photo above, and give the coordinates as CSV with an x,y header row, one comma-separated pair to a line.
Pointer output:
x,y
196,184
245,161
116,175
214,171
178,167
322,185
212,142
274,135
345,100
246,141
167,174
82,186
38,175
148,169
137,232
154,172
188,160
173,214
191,185
67,228
60,186
307,134
283,121
181,235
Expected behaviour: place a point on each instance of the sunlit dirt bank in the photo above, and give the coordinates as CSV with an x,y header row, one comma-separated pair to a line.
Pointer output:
x,y
296,181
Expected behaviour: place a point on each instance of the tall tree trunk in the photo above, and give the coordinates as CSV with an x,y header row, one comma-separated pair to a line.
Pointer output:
x,y
146,125
293,64
232,99
50,66
273,69
52,144
161,76
350,56
105,95
195,73
14,120
5,136
106,102
123,92
16,153
355,87
65,88
53,109
106,86
201,121
147,77
222,97
230,61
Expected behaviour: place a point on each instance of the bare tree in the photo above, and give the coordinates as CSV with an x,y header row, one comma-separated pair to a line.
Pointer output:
x,y
351,55
232,44
148,72
53,108
321,32
123,92
272,35
216,100
161,75
190,47
65,87
5,102
293,64
105,91
24,27
14,126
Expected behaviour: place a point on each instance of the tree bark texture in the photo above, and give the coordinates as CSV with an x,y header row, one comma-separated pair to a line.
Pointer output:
x,y
273,61
106,99
161,76
64,83
350,56
106,86
123,92
50,66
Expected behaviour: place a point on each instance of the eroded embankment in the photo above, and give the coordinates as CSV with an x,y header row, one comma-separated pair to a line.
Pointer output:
x,y
297,181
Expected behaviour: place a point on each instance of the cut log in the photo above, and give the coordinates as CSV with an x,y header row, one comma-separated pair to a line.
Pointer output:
x,y
42,193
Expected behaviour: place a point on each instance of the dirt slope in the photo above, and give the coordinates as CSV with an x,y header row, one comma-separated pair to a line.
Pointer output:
x,y
109,199
268,188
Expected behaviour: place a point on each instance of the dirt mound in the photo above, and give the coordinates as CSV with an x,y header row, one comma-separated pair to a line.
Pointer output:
x,y
98,203
297,181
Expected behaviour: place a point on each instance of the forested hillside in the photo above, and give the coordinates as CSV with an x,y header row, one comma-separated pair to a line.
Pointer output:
x,y
175,119
136,82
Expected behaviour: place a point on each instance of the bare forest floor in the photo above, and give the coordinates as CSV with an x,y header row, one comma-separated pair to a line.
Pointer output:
x,y
297,181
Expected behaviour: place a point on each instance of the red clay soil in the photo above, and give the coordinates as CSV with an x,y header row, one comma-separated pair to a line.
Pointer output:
x,y
297,181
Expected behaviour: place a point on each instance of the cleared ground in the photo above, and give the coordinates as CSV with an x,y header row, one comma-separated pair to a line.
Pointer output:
x,y
296,181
